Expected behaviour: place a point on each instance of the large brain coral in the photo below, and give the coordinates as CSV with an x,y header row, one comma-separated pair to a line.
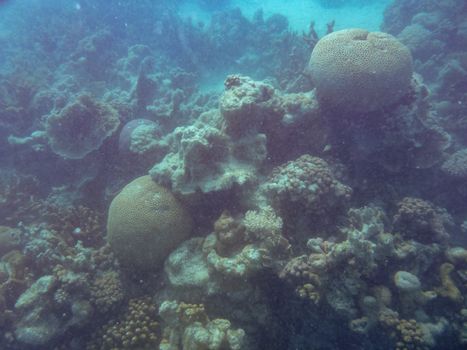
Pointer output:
x,y
359,71
145,223
81,127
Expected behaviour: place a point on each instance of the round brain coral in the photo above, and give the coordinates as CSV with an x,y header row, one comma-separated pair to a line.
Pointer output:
x,y
359,71
145,223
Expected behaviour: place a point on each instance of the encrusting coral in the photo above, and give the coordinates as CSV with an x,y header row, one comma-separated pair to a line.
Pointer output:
x,y
188,327
239,248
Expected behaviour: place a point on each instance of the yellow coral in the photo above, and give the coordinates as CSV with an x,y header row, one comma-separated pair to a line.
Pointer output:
x,y
189,313
106,291
136,329
448,288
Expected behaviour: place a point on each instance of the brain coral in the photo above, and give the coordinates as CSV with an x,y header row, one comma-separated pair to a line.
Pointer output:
x,y
81,127
145,223
359,71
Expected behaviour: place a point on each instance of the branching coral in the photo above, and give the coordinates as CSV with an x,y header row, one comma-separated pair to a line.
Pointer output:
x,y
74,223
136,328
407,334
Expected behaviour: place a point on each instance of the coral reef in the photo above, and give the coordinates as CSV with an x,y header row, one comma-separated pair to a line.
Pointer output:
x,y
145,222
292,202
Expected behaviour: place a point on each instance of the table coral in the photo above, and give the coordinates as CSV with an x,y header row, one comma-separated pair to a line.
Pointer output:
x,y
81,127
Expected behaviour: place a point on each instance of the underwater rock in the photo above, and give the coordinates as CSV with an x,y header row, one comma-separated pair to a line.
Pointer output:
x,y
379,74
145,223
81,127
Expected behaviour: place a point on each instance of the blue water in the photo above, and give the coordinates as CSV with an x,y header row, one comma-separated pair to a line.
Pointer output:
x,y
230,174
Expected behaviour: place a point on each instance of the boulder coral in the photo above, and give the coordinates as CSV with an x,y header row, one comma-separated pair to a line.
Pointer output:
x,y
81,127
420,220
359,71
309,182
145,223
